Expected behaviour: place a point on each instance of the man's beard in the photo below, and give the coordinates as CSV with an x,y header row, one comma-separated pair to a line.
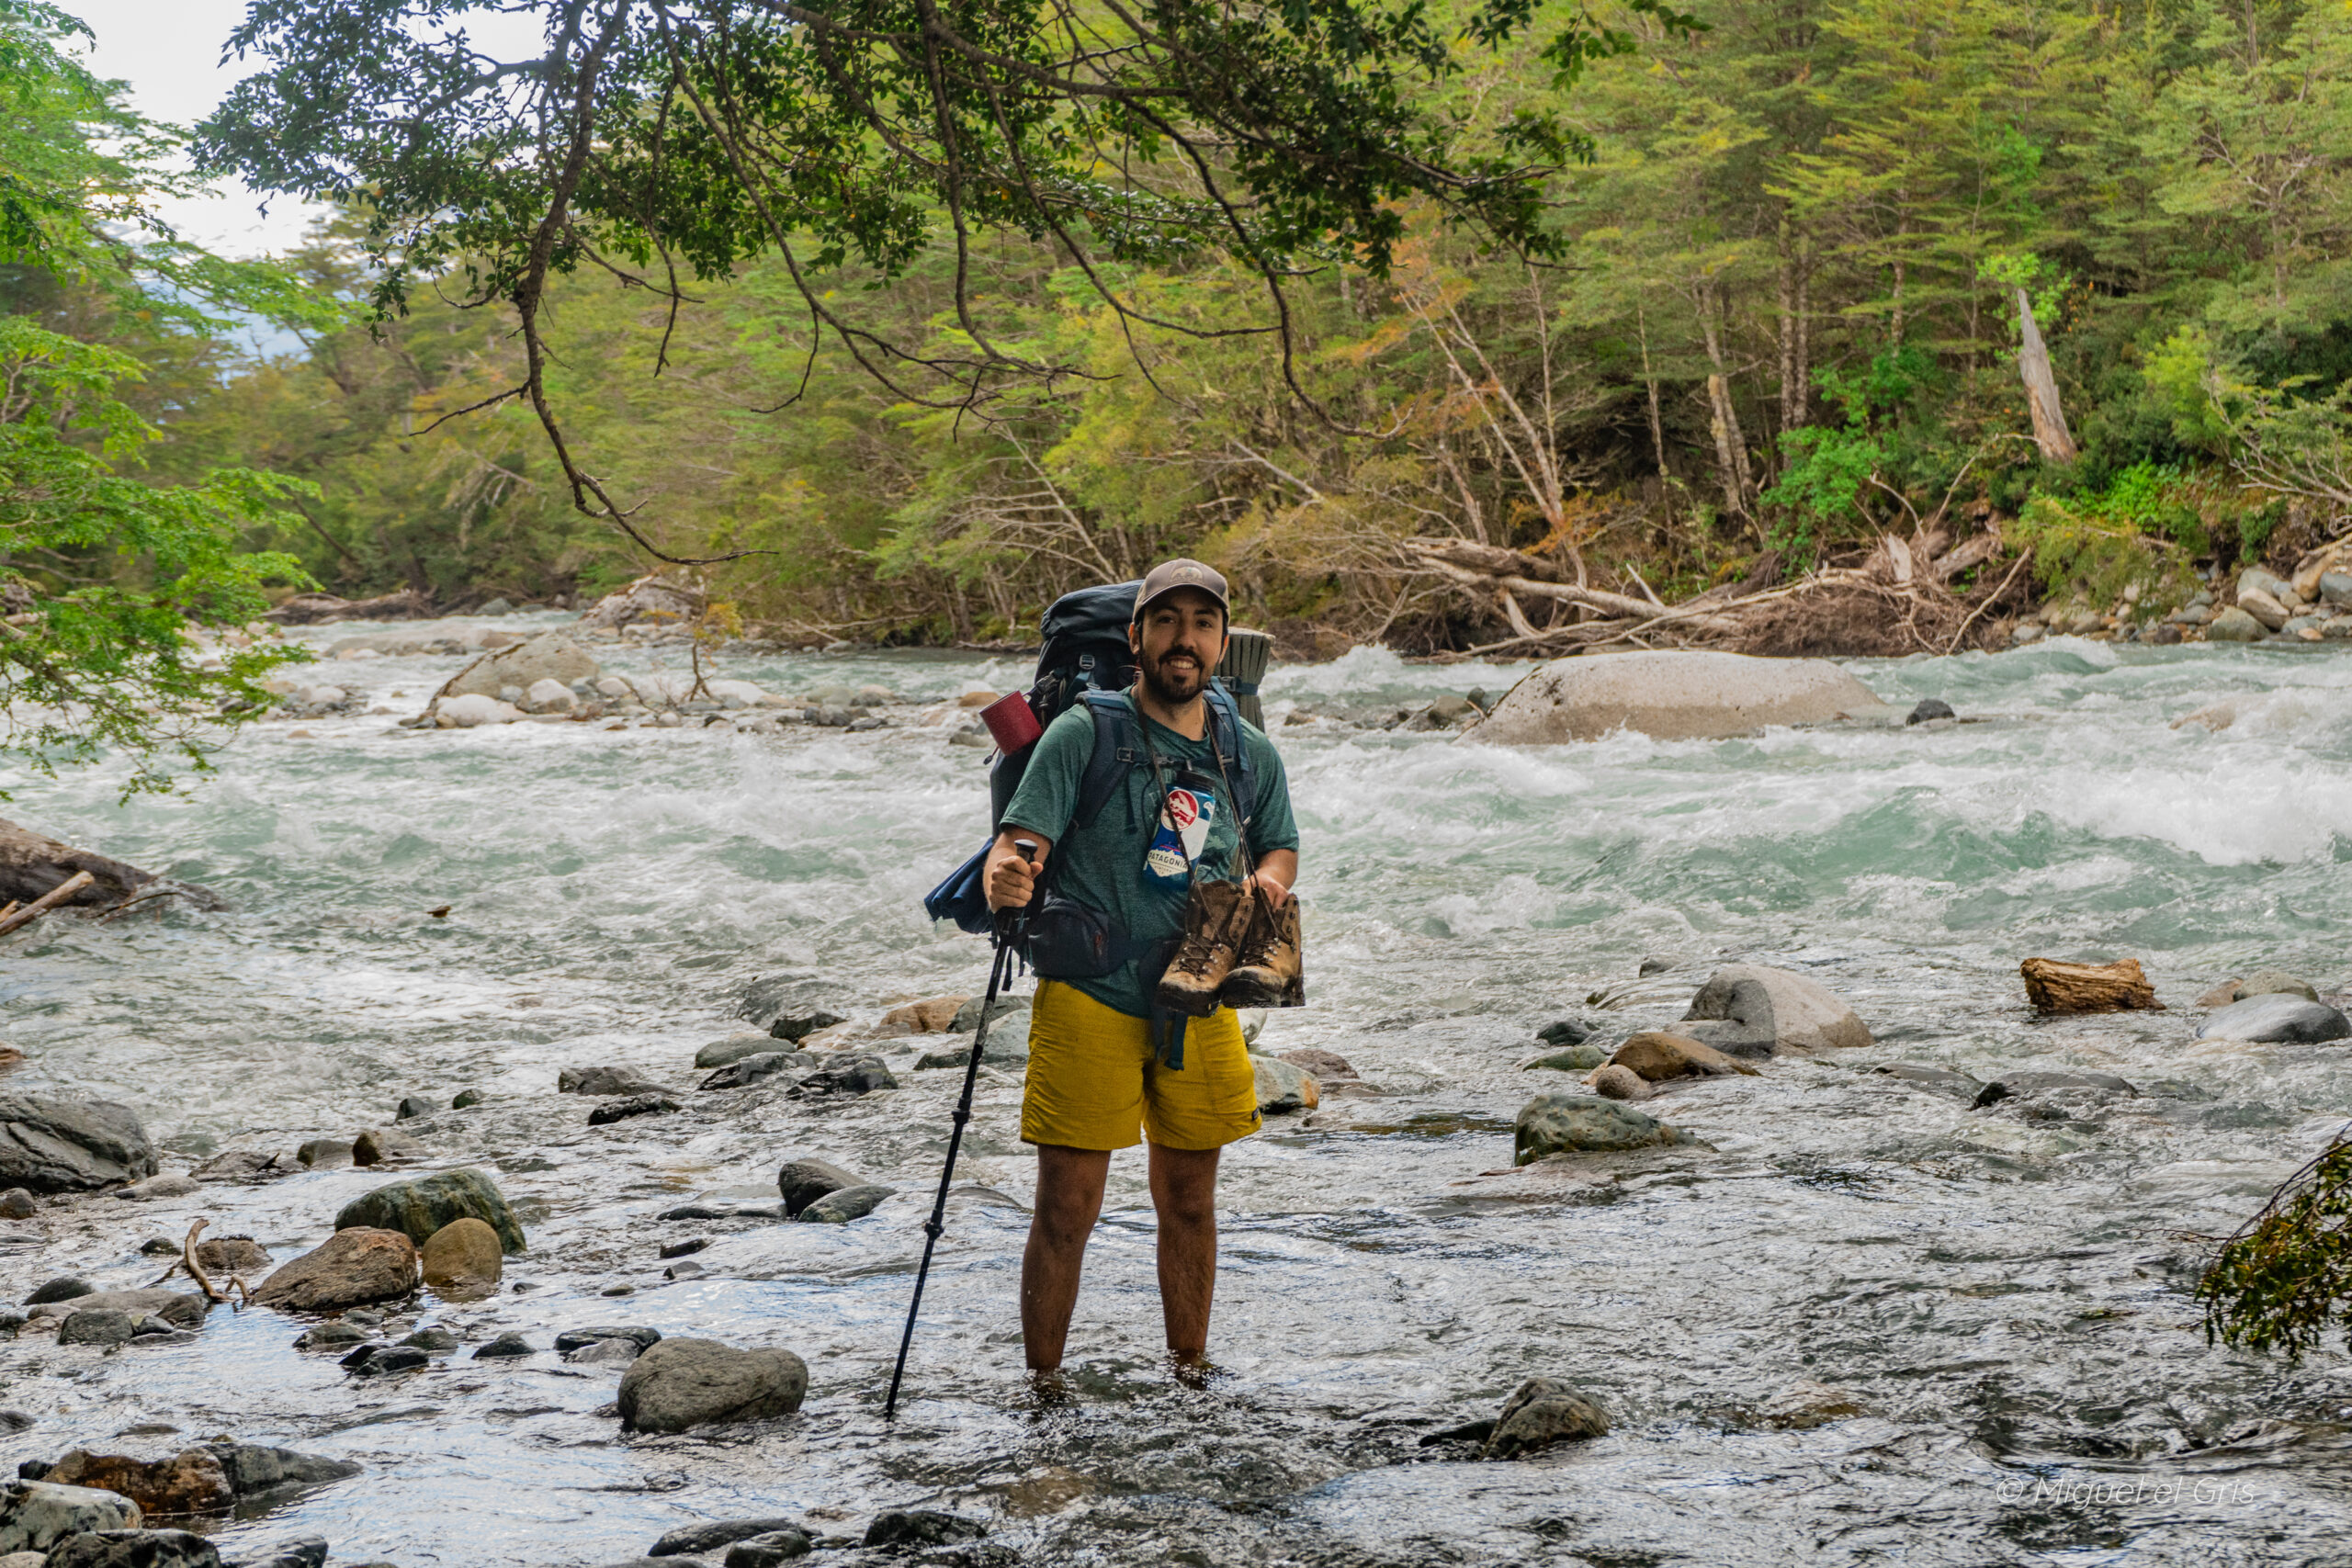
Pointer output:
x,y
1175,688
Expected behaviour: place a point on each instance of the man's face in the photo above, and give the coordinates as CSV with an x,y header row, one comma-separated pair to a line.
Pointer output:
x,y
1178,644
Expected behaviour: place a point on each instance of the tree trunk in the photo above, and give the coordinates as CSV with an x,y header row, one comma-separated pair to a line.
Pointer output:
x,y
1730,445
2050,432
2053,986
1657,424
1791,334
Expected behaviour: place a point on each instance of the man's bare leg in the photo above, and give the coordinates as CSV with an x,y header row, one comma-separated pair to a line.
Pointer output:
x,y
1069,1200
1183,1193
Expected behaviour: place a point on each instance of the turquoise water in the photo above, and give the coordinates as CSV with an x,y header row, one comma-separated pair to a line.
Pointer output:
x,y
2002,1301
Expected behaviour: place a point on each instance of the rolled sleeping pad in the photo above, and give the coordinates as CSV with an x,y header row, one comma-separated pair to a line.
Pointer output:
x,y
1246,654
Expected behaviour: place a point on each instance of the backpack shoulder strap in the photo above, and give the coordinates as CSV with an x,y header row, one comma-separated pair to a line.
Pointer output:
x,y
1114,753
1224,717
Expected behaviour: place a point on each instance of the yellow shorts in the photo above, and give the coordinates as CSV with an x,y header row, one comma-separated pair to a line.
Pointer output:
x,y
1094,1080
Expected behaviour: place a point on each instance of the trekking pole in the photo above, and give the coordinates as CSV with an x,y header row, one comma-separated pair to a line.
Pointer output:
x,y
999,970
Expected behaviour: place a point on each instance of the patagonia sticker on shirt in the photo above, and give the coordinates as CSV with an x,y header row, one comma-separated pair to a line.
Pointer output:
x,y
1187,816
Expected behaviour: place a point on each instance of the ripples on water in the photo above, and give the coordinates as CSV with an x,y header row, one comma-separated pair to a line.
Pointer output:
x,y
2004,1301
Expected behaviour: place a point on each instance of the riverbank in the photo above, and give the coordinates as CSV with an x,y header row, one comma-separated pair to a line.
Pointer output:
x,y
2002,1297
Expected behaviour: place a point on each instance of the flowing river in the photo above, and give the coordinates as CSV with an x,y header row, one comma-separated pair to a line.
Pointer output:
x,y
1869,1325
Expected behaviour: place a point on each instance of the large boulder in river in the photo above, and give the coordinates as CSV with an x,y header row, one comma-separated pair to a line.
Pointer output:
x,y
654,599
1673,696
1584,1123
357,1267
1540,1412
681,1384
69,1145
1745,1009
550,655
134,1549
1655,1057
419,1207
190,1482
36,1516
2279,1017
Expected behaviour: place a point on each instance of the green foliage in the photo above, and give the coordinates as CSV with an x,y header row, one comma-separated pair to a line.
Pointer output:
x,y
2139,532
2284,1281
92,665
1827,469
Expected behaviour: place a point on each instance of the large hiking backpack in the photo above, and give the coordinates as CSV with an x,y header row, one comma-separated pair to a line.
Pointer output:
x,y
1085,658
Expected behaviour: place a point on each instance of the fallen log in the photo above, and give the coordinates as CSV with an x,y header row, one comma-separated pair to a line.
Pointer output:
x,y
311,609
45,903
2054,986
33,865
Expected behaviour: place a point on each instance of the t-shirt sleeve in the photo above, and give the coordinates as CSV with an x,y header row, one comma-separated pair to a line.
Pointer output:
x,y
1048,793
1272,826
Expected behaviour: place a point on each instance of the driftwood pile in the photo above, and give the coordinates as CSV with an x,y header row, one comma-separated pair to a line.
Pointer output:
x,y
1898,601
39,874
314,609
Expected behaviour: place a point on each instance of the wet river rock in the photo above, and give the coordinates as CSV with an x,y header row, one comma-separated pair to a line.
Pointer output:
x,y
66,1145
1744,1010
1284,1087
747,1070
803,1182
1673,696
134,1549
36,1515
906,1528
614,1110
734,1048
1584,1123
605,1080
98,1325
1540,1412
464,1255
2276,1017
419,1207
358,1264
713,1534
382,1146
1614,1082
179,1309
1657,1056
683,1383
190,1482
845,1077
846,1203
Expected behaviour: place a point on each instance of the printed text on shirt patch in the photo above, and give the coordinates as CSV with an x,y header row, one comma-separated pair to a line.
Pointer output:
x,y
1183,832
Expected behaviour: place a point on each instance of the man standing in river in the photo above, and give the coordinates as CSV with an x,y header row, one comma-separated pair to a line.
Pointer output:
x,y
1101,1075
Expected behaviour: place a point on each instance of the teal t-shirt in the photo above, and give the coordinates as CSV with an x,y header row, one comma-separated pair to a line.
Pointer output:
x,y
1127,861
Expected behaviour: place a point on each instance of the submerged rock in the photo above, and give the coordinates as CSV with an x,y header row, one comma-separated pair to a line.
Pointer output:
x,y
1942,1080
609,1079
302,1551
683,1383
260,1474
190,1482
798,1026
1673,696
178,1309
734,1048
2276,1018
1655,1057
1745,1009
1323,1066
381,1145
243,1165
904,1527
845,1077
36,1515
847,1203
356,1265
419,1207
1583,1124
1574,1059
802,1181
2275,982
326,1153
507,1344
1540,1412
571,1341
614,1110
755,1067
49,1145
1566,1032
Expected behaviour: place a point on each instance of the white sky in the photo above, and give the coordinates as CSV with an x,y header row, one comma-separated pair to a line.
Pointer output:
x,y
168,50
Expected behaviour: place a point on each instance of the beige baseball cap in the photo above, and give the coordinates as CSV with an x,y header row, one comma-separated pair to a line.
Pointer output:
x,y
1171,575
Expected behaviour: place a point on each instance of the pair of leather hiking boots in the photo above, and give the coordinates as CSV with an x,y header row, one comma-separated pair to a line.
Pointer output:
x,y
1238,949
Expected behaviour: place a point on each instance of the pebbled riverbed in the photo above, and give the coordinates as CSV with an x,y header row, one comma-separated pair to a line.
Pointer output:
x,y
1999,1304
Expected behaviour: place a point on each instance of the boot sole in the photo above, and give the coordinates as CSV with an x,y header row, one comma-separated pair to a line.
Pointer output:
x,y
1253,988
1191,1004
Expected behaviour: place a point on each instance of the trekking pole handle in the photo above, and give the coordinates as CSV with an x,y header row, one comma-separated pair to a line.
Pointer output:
x,y
1028,848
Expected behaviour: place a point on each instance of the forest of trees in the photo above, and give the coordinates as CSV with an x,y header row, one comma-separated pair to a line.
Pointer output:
x,y
1796,256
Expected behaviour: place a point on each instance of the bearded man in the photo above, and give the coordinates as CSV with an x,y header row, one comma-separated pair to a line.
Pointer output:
x,y
1108,1064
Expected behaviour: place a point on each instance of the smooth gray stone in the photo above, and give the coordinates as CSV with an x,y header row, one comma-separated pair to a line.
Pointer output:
x,y
847,1205
713,1534
49,1145
2276,1017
